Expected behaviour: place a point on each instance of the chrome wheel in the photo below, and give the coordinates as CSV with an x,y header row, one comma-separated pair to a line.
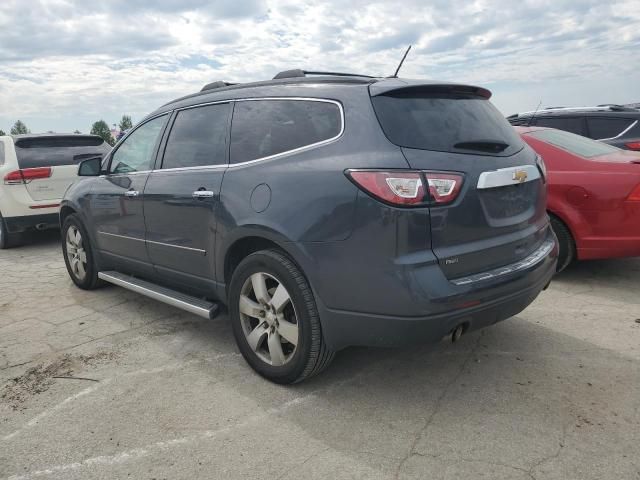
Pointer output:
x,y
268,318
76,253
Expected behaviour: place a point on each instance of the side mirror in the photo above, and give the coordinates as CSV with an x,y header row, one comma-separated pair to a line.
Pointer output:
x,y
91,167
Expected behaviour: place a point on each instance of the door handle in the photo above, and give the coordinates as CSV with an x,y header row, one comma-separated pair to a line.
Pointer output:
x,y
131,193
202,194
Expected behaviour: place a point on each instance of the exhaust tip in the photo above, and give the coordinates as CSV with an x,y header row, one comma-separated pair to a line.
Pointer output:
x,y
457,333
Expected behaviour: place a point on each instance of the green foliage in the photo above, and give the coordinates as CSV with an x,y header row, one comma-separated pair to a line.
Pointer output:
x,y
125,123
2,133
101,129
19,128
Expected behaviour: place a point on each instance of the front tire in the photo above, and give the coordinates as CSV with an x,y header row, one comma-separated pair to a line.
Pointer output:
x,y
78,254
275,320
567,253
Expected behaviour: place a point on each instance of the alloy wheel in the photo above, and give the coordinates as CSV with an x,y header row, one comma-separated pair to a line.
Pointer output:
x,y
76,253
268,318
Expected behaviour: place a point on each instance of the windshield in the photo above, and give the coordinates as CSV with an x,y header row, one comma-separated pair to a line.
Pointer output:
x,y
446,123
581,146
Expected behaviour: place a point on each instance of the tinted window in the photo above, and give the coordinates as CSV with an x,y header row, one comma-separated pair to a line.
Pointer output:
x,y
576,144
198,137
607,127
59,150
135,154
568,124
445,123
262,128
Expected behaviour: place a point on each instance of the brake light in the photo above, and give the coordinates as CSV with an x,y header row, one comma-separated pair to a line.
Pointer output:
x,y
397,188
633,145
407,187
634,196
25,175
444,187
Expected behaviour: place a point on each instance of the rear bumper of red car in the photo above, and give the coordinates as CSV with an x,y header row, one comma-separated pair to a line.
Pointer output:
x,y
611,247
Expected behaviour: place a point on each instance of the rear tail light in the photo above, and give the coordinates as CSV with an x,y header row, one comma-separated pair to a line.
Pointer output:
x,y
633,145
444,187
407,187
397,188
25,175
634,196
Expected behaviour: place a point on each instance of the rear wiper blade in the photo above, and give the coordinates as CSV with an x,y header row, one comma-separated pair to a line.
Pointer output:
x,y
493,146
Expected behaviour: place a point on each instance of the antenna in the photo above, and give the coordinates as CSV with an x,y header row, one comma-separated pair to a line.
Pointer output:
x,y
395,75
534,114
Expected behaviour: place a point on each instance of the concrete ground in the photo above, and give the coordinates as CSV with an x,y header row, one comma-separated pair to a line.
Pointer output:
x,y
108,384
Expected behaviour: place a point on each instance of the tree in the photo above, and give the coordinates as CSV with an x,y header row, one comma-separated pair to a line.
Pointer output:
x,y
76,131
101,129
19,128
125,123
2,133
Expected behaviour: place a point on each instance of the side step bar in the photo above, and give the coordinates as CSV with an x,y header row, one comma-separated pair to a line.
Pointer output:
x,y
188,303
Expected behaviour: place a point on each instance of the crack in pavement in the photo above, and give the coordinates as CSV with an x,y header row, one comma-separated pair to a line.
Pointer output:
x,y
438,405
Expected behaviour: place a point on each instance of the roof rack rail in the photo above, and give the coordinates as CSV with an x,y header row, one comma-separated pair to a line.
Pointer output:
x,y
214,85
618,108
598,108
303,73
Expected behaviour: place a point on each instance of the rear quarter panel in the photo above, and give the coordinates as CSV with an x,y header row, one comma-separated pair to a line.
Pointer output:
x,y
590,195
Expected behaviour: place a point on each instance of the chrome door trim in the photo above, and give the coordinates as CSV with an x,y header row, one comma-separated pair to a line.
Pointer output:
x,y
199,250
620,134
120,236
507,176
270,157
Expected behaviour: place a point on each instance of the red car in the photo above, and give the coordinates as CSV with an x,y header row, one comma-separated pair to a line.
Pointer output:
x,y
593,194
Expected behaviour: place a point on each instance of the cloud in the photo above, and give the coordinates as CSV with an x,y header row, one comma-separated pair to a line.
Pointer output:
x,y
64,64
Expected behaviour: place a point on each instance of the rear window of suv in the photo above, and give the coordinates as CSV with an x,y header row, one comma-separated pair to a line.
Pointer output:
x,y
576,144
445,123
601,128
263,128
60,150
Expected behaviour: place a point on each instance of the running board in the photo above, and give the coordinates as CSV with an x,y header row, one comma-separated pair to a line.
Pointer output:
x,y
188,303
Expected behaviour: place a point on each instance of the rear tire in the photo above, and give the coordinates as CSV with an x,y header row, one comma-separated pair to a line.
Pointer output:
x,y
78,253
8,240
567,253
275,319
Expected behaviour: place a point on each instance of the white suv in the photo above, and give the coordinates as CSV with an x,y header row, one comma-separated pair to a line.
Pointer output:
x,y
35,171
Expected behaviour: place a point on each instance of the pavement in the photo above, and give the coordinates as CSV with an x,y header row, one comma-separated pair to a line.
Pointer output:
x,y
108,385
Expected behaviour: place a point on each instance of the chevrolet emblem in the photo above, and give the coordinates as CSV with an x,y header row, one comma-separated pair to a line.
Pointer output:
x,y
520,176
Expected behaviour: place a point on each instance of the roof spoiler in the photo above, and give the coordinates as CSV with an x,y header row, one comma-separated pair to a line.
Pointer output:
x,y
396,85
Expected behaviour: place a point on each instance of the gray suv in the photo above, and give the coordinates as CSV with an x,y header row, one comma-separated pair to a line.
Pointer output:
x,y
616,125
323,211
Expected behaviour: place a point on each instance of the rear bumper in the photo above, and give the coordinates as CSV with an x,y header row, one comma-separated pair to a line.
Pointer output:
x,y
30,222
475,306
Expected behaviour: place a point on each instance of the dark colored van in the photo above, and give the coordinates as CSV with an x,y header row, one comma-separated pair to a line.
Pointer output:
x,y
323,210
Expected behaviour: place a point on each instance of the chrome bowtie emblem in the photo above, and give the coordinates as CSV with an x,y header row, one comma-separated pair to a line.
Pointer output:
x,y
520,176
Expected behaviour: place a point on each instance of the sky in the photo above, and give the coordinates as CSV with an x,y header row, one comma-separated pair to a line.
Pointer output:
x,y
67,63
